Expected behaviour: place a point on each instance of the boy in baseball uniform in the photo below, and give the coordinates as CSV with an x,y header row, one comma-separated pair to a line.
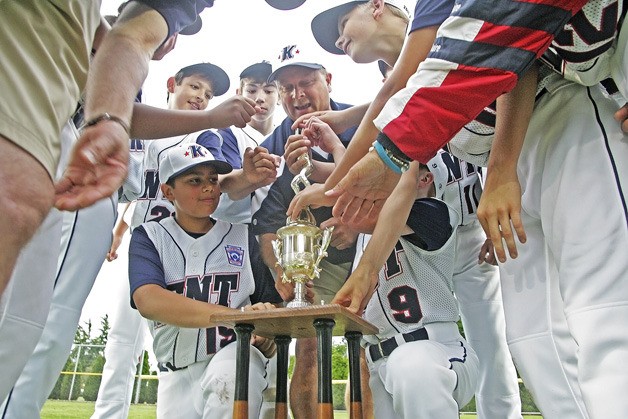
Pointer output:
x,y
183,270
420,366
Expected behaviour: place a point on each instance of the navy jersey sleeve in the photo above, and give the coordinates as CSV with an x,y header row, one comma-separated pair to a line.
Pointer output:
x,y
429,219
265,291
211,141
230,148
145,265
430,13
178,14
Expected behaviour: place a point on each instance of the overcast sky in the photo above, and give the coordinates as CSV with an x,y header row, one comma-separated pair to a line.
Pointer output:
x,y
235,34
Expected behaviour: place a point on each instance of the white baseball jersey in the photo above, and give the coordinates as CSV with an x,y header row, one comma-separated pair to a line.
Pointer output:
x,y
214,268
234,142
582,52
415,286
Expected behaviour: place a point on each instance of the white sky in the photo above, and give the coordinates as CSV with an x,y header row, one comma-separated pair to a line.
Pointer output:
x,y
235,34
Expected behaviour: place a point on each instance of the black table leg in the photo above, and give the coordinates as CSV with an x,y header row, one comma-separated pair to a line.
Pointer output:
x,y
324,329
355,389
281,397
241,397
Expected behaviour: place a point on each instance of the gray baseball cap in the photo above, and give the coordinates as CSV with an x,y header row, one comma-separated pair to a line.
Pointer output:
x,y
325,24
259,71
183,157
285,4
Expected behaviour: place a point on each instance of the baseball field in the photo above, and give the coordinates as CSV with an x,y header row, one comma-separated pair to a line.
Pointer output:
x,y
57,409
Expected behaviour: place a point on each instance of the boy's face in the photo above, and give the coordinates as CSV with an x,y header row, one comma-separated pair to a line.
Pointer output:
x,y
193,93
195,193
303,90
358,34
265,95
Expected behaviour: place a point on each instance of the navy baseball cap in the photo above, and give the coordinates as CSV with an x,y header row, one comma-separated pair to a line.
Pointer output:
x,y
183,157
293,56
218,76
259,71
193,28
325,24
285,4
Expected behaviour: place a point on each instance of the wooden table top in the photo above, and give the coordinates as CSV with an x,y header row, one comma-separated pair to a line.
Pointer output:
x,y
298,322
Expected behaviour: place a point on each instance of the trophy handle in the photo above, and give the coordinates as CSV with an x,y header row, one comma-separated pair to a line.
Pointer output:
x,y
324,244
277,247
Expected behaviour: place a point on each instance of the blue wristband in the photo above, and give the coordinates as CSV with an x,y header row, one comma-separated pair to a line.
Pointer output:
x,y
384,156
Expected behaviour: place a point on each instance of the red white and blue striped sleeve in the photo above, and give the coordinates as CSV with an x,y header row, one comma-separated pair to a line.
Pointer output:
x,y
479,53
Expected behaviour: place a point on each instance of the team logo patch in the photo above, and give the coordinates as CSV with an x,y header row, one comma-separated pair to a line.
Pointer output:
x,y
235,255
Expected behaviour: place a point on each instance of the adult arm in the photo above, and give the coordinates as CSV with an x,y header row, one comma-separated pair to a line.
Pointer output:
x,y
98,163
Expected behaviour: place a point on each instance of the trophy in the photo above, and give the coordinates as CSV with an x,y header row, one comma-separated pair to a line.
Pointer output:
x,y
301,245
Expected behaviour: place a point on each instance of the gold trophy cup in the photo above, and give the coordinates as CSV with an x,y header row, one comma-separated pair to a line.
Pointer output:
x,y
301,245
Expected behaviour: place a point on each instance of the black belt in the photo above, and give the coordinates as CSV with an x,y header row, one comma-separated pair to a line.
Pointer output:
x,y
168,367
385,347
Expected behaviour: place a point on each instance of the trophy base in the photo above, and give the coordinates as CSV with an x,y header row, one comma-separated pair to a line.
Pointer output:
x,y
298,304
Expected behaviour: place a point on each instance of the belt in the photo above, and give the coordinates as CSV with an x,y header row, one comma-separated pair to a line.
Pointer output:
x,y
168,367
385,347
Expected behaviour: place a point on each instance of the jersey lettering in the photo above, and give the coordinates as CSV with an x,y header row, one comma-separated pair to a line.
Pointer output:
x,y
404,302
580,27
158,213
136,145
393,266
218,337
223,286
151,185
210,288
458,169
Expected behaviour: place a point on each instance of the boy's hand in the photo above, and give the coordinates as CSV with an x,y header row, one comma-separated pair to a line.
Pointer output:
x,y
621,116
357,290
364,189
335,119
97,167
286,289
296,146
320,134
499,211
265,345
236,110
259,166
313,196
343,237
112,254
487,253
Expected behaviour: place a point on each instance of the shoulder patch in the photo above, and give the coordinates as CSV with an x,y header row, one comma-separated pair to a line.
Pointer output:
x,y
235,255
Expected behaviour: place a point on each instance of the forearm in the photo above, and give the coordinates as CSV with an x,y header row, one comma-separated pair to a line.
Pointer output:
x,y
391,223
236,185
266,250
152,123
129,45
322,170
158,304
514,111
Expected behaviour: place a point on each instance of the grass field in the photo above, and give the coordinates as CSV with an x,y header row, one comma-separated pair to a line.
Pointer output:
x,y
57,409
